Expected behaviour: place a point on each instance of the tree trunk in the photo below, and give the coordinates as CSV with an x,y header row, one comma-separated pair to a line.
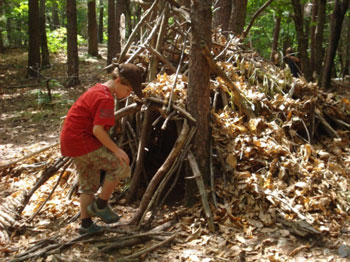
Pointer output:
x,y
34,38
112,34
2,48
313,34
276,35
45,56
72,44
346,67
55,18
120,9
198,95
222,14
319,50
238,15
92,29
302,40
100,22
340,8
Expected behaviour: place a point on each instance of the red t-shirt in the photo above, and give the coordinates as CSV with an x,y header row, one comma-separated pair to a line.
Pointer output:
x,y
94,107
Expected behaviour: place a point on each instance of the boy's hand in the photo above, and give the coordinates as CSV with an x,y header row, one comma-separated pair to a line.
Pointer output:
x,y
122,156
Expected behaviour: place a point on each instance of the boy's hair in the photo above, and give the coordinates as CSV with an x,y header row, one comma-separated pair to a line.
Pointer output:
x,y
129,74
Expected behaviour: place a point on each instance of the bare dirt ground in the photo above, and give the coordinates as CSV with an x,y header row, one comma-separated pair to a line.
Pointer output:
x,y
27,125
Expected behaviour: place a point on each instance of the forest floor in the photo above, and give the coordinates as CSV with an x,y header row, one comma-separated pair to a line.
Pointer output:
x,y
29,123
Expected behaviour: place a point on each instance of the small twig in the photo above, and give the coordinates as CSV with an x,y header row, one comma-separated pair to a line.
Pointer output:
x,y
200,184
176,75
28,156
136,29
147,250
53,190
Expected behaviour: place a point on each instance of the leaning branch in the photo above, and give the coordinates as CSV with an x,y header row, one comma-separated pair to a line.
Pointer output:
x,y
241,101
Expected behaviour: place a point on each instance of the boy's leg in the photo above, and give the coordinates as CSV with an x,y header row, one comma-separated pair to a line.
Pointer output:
x,y
108,188
85,200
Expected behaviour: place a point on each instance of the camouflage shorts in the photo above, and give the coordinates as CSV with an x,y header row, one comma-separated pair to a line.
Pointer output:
x,y
89,166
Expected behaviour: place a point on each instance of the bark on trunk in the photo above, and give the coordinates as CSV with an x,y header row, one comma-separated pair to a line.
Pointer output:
x,y
45,57
238,15
72,44
340,8
34,38
313,34
198,104
302,40
319,50
55,17
112,33
222,14
100,22
92,29
276,34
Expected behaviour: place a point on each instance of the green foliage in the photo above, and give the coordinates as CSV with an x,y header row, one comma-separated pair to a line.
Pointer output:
x,y
57,40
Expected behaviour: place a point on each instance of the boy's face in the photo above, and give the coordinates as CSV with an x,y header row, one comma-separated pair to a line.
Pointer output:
x,y
122,90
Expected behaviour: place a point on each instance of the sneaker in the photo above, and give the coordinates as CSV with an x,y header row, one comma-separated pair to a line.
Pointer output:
x,y
106,214
92,229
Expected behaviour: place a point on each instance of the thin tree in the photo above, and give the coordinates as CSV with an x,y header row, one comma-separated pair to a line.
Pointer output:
x,y
222,14
92,29
55,17
2,47
276,34
340,8
313,34
100,22
72,44
302,40
112,33
319,50
198,96
238,16
34,39
45,56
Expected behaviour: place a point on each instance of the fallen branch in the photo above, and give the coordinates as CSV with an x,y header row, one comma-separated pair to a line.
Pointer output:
x,y
53,190
140,155
200,184
28,156
240,100
49,172
160,174
147,250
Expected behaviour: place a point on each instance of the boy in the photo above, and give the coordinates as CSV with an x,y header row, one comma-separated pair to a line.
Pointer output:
x,y
84,137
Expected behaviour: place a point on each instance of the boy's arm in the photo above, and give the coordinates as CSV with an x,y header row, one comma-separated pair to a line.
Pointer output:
x,y
101,134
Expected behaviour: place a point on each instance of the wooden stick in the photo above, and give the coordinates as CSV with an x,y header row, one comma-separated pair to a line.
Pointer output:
x,y
181,110
212,180
177,166
147,250
160,42
28,156
176,75
140,155
136,29
200,183
160,174
160,57
49,172
53,190
240,100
